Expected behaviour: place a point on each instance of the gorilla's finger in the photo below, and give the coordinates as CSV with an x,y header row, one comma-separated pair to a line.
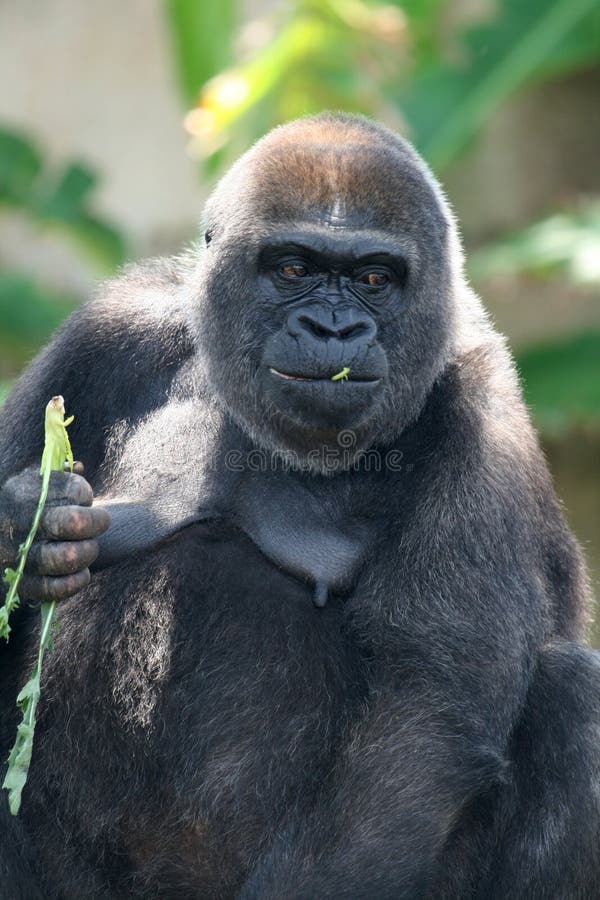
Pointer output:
x,y
78,467
69,488
43,587
74,523
8,552
61,558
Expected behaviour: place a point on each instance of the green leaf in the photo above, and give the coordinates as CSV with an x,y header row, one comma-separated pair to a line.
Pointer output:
x,y
309,64
448,104
19,758
57,449
562,380
20,165
61,201
31,689
566,242
426,21
29,313
5,386
102,243
66,207
201,37
66,200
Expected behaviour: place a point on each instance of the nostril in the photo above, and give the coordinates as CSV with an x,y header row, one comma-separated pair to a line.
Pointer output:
x,y
321,332
316,328
336,327
352,331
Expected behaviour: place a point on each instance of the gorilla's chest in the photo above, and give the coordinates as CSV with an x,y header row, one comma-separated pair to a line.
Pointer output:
x,y
222,697
312,535
265,686
226,695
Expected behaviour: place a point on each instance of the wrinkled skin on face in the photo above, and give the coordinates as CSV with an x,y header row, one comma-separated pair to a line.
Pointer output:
x,y
327,249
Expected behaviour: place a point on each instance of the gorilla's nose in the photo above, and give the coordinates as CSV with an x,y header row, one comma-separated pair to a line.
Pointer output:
x,y
325,325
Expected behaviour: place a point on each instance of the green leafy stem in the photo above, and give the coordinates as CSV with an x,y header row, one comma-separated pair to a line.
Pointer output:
x,y
341,376
57,450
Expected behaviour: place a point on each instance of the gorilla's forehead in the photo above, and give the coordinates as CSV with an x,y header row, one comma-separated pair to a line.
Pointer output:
x,y
355,186
337,172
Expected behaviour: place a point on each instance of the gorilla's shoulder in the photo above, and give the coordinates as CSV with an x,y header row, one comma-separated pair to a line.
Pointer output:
x,y
483,378
146,311
476,408
121,355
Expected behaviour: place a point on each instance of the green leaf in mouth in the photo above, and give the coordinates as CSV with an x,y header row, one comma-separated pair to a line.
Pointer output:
x,y
341,376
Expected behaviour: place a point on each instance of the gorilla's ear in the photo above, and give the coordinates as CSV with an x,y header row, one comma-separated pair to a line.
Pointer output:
x,y
208,236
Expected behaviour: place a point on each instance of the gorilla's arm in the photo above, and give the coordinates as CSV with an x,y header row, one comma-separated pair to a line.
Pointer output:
x,y
392,828
114,361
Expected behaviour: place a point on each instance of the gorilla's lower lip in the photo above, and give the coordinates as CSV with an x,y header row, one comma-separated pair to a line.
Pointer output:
x,y
290,377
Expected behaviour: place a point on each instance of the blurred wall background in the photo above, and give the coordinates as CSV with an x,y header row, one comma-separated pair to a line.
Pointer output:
x,y
115,120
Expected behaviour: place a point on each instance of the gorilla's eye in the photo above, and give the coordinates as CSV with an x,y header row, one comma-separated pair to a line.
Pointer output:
x,y
374,279
294,270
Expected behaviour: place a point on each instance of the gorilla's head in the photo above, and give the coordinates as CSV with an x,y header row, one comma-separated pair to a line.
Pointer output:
x,y
327,252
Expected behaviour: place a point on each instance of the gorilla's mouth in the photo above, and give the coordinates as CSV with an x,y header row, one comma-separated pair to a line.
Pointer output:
x,y
316,378
327,390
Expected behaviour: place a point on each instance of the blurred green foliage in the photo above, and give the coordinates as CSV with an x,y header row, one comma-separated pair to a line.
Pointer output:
x,y
567,243
202,36
562,381
407,60
57,201
29,314
447,101
561,378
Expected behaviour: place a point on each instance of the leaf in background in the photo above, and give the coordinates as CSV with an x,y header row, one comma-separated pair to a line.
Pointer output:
x,y
562,380
330,54
29,314
448,104
102,243
229,95
333,54
5,387
66,206
201,34
62,201
68,196
20,165
565,242
426,21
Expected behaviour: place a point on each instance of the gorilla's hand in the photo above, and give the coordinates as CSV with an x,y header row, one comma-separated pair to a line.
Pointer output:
x,y
65,544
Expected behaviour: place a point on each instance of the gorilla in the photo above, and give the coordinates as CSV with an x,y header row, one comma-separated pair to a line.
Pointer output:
x,y
333,640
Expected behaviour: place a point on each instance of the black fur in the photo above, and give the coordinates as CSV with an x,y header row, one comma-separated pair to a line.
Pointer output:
x,y
205,730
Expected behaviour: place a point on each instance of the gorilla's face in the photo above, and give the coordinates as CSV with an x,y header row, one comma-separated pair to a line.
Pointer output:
x,y
326,303
324,367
